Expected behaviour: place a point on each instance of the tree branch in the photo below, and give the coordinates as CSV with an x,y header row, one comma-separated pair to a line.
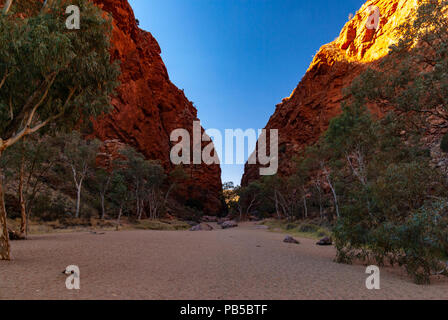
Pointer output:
x,y
7,6
2,82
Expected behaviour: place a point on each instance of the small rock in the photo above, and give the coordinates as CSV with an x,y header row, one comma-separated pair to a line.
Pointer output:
x,y
229,224
192,223
222,220
325,242
202,227
290,239
209,219
97,233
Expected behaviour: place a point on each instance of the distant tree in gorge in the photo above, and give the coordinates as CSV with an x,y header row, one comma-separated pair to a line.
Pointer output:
x,y
247,198
176,176
228,186
103,179
146,178
154,180
80,156
134,164
120,194
51,77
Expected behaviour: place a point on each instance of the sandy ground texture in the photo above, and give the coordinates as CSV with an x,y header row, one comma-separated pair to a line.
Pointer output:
x,y
242,263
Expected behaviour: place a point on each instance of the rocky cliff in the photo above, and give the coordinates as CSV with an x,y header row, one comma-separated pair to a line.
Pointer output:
x,y
305,115
148,106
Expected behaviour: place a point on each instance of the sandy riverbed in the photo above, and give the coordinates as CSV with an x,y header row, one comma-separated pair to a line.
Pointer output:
x,y
242,263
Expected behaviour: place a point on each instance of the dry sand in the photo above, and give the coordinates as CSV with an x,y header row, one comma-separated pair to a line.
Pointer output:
x,y
242,263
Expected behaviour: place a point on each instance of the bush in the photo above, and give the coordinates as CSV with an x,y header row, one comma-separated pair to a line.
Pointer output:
x,y
308,228
419,243
290,226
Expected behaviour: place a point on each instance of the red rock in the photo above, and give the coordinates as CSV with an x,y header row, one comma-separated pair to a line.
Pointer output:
x,y
305,115
148,106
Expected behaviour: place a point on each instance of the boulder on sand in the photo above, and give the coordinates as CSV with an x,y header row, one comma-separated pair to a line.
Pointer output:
x,y
14,235
192,223
202,227
209,219
222,220
290,239
229,224
325,242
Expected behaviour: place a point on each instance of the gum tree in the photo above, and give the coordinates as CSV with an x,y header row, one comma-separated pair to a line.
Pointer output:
x,y
80,155
27,162
51,77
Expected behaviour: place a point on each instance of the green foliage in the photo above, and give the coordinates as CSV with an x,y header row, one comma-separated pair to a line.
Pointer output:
x,y
57,167
412,77
418,241
145,179
391,200
384,182
161,225
305,228
53,75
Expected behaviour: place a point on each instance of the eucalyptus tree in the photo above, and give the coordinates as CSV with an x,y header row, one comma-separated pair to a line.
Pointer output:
x,y
146,179
28,163
80,155
51,77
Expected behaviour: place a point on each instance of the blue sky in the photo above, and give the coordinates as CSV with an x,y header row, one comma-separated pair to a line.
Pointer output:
x,y
237,59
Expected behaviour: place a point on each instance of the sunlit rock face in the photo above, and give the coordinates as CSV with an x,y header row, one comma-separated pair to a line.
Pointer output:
x,y
305,115
148,107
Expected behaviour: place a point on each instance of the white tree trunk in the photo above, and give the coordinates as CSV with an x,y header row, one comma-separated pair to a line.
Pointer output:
x,y
120,213
47,3
140,210
335,198
7,6
305,206
78,200
103,210
333,191
276,204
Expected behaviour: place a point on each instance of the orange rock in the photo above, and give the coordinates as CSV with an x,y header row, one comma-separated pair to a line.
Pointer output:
x,y
305,115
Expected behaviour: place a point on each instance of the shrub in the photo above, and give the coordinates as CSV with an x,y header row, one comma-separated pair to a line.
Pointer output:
x,y
419,243
308,228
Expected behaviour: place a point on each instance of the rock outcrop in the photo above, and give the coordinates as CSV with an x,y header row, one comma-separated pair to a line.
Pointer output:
x,y
148,106
305,115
